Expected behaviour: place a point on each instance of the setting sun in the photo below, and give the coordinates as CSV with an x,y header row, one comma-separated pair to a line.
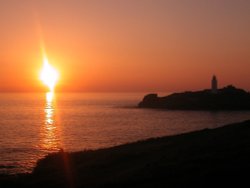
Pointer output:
x,y
154,93
49,75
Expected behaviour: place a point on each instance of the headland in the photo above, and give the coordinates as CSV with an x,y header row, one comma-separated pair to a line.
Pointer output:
x,y
227,98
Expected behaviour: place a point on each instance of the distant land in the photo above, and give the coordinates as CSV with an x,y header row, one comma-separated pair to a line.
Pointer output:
x,y
227,98
205,158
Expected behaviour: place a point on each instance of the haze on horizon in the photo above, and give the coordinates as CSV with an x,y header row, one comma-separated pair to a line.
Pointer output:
x,y
115,45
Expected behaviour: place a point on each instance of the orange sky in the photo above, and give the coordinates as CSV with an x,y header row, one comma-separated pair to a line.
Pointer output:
x,y
114,45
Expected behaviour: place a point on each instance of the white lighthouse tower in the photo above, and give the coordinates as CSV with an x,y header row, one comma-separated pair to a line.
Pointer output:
x,y
214,85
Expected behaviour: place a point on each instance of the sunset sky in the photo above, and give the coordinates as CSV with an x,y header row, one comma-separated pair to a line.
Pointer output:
x,y
129,45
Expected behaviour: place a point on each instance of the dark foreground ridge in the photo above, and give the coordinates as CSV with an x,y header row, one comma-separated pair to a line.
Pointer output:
x,y
206,158
227,98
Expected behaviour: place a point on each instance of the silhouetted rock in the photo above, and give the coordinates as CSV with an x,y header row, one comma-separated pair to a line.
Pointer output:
x,y
227,98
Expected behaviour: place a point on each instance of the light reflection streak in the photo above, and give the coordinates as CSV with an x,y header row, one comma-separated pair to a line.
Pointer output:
x,y
50,137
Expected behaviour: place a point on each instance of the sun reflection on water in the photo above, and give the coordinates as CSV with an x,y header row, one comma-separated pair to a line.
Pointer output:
x,y
50,137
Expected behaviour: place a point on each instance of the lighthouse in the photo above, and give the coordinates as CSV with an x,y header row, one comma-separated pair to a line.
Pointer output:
x,y
214,85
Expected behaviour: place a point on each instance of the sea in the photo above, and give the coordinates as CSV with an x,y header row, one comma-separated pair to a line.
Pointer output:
x,y
32,125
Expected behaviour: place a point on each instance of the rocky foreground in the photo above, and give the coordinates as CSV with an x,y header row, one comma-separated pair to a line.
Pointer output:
x,y
206,158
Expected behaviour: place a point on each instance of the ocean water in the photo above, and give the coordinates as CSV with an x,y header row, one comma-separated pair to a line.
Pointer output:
x,y
35,124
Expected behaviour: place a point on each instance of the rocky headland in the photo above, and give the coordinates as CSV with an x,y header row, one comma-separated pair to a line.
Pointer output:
x,y
227,98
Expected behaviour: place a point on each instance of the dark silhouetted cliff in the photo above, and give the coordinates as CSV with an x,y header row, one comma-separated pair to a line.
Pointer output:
x,y
228,98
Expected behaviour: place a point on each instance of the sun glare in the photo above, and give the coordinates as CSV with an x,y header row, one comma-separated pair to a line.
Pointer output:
x,y
49,75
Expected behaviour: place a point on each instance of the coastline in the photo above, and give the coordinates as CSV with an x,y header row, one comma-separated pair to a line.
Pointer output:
x,y
228,98
210,157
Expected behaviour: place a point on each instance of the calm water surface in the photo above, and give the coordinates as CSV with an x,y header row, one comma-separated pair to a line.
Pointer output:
x,y
33,125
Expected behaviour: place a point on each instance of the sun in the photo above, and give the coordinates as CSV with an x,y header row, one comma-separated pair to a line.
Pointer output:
x,y
49,75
